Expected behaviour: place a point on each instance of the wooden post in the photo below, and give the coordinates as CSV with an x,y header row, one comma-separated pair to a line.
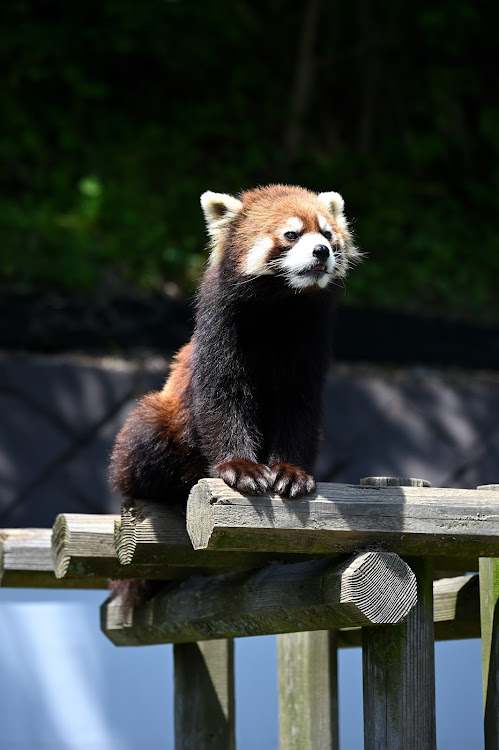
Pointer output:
x,y
308,690
456,612
399,676
489,615
204,695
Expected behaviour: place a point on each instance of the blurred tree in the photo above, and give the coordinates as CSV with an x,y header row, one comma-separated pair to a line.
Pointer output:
x,y
117,115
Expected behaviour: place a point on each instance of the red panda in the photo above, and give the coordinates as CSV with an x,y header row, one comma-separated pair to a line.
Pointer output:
x,y
243,399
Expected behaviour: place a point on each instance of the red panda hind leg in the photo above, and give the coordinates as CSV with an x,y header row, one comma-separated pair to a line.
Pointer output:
x,y
153,457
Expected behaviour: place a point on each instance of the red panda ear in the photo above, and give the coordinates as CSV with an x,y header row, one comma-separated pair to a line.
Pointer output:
x,y
335,205
219,209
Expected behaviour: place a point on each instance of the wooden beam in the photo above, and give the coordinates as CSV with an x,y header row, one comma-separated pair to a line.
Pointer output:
x,y
308,690
26,562
366,589
25,558
399,676
339,518
204,695
456,612
83,548
489,611
152,534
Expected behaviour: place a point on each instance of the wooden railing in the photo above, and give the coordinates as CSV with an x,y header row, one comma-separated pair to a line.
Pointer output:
x,y
380,564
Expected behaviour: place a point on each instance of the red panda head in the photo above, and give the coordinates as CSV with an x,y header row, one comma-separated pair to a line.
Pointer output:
x,y
288,232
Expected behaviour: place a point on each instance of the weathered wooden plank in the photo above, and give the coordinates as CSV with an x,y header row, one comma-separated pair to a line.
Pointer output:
x,y
308,690
489,612
340,518
83,548
25,558
152,534
204,695
456,612
399,676
26,561
366,589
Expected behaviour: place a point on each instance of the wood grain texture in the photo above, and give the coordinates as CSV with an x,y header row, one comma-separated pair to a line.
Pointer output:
x,y
204,695
339,518
25,558
308,690
399,677
83,545
369,588
151,534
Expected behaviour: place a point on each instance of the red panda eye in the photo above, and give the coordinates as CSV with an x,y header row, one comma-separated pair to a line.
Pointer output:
x,y
291,236
328,235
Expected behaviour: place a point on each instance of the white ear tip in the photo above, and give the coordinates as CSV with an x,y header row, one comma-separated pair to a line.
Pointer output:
x,y
333,200
219,205
207,197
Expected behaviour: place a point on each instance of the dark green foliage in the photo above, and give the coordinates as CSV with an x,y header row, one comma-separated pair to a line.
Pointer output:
x,y
117,114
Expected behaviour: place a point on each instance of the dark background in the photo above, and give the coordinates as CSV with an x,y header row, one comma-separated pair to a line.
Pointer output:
x,y
117,115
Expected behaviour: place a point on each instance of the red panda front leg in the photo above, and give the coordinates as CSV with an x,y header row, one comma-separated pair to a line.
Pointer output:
x,y
229,434
293,443
289,480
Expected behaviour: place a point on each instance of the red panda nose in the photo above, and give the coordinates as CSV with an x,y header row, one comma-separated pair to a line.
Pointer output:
x,y
321,252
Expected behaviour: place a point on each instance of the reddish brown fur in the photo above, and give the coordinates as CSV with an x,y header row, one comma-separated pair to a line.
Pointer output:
x,y
267,209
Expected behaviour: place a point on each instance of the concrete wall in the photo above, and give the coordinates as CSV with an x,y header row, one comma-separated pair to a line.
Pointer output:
x,y
60,414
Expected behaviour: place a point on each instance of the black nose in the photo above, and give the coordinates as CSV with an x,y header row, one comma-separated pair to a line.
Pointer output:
x,y
321,252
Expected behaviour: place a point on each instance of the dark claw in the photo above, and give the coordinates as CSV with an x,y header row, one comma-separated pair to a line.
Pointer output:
x,y
244,476
291,481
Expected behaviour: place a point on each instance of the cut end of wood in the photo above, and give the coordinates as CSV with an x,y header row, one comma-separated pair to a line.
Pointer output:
x,y
124,537
394,482
25,558
199,513
116,620
83,546
60,539
379,586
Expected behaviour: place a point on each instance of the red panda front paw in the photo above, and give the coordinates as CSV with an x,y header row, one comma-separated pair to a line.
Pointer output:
x,y
243,475
291,481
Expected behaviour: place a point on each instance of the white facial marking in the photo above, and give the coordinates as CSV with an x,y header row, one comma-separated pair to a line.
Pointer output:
x,y
298,262
293,224
256,259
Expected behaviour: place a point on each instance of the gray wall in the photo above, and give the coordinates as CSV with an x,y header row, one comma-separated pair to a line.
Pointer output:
x,y
60,414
